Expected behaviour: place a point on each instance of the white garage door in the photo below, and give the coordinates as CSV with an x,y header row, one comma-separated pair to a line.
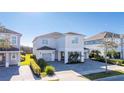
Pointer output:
x,y
47,56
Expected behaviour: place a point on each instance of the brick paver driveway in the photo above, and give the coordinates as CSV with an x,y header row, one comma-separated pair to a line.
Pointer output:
x,y
84,68
14,73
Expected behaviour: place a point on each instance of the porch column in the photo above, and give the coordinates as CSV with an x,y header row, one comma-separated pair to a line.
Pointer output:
x,y
59,56
82,56
7,60
53,56
66,57
18,58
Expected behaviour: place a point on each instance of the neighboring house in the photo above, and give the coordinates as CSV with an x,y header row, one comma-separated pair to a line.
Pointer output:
x,y
95,42
9,47
58,46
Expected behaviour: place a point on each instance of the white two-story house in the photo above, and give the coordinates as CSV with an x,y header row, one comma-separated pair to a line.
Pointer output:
x,y
9,47
95,42
58,46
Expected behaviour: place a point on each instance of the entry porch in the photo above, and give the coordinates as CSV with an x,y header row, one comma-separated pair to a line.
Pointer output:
x,y
8,58
68,56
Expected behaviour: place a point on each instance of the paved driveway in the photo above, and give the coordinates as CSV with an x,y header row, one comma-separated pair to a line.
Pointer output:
x,y
84,68
16,73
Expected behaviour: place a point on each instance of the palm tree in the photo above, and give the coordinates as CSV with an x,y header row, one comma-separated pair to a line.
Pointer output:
x,y
97,52
112,53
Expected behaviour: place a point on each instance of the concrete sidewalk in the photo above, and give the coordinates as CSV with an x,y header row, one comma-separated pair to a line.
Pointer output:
x,y
66,76
70,76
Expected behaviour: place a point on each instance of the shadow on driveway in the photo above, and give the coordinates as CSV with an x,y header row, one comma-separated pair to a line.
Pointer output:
x,y
7,73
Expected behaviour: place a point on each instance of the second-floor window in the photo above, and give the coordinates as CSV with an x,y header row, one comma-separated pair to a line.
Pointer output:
x,y
45,42
13,40
92,42
75,40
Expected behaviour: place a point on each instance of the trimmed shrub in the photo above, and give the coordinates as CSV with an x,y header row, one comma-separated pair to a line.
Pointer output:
x,y
101,59
117,61
35,68
110,61
49,70
33,57
94,54
42,63
22,58
43,74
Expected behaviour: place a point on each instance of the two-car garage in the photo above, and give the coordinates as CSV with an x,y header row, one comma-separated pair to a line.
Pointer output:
x,y
46,53
47,56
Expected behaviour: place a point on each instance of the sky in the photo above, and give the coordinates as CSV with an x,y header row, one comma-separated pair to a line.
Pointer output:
x,y
32,24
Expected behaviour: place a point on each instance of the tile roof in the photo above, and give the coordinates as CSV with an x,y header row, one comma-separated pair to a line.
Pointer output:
x,y
55,35
9,49
73,33
103,35
50,35
5,30
46,48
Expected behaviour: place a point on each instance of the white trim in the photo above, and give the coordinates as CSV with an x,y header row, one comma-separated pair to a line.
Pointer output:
x,y
9,51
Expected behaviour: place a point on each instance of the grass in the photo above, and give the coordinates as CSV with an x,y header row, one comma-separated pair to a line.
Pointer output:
x,y
27,60
103,74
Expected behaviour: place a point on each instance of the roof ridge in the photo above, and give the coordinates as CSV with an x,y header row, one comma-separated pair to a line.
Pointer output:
x,y
99,35
6,30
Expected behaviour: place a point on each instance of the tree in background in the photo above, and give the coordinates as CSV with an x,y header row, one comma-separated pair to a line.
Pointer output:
x,y
109,44
26,49
94,54
113,54
5,41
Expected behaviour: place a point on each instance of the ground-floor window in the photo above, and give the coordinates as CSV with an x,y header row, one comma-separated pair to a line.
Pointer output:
x,y
13,56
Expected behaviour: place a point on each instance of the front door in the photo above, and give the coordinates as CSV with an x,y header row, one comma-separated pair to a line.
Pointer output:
x,y
2,59
62,56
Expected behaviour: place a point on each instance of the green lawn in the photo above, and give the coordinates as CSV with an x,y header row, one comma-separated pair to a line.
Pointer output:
x,y
103,74
27,60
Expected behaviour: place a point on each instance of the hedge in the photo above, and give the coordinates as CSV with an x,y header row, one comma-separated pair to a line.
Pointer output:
x,y
42,64
110,61
116,61
22,58
35,68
